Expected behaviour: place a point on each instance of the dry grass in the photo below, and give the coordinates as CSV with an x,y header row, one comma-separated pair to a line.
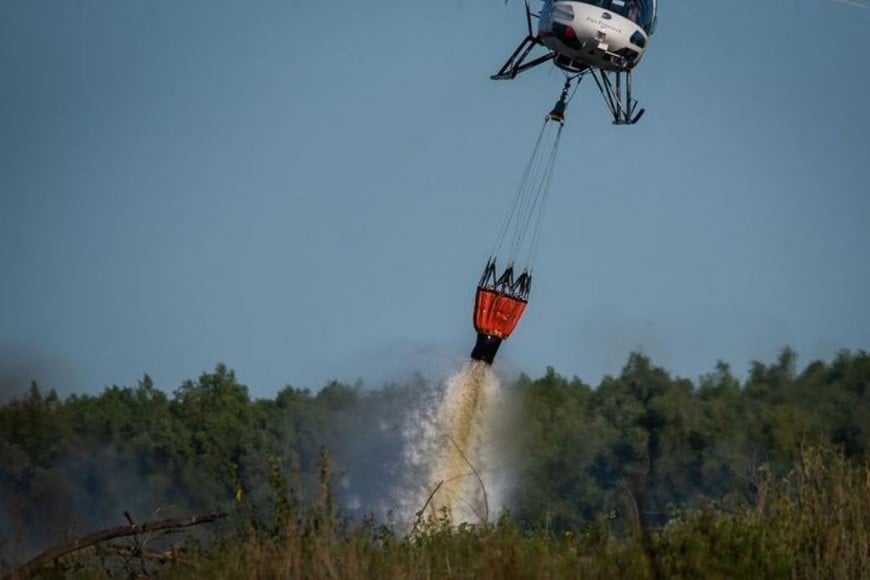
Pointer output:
x,y
814,523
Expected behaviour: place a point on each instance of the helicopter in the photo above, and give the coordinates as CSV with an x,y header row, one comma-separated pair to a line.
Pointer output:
x,y
605,38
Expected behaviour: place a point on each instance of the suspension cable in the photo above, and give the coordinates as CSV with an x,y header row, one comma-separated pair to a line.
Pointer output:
x,y
520,191
540,188
536,234
533,191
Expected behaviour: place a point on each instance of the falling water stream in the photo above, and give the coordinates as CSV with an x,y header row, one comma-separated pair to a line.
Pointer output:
x,y
457,451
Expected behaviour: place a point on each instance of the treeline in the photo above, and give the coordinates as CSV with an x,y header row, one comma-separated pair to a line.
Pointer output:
x,y
665,442
644,442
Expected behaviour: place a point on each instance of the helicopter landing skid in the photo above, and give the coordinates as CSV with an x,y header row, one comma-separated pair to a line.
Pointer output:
x,y
614,85
515,64
617,95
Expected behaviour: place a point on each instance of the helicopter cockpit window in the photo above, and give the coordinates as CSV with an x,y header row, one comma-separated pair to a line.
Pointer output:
x,y
641,12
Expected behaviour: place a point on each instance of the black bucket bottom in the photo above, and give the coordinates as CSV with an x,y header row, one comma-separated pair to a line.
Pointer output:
x,y
485,347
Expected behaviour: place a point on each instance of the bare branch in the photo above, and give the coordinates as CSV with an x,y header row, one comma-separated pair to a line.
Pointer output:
x,y
425,505
479,479
65,549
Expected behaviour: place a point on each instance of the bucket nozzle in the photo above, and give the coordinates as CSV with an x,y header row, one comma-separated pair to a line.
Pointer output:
x,y
485,347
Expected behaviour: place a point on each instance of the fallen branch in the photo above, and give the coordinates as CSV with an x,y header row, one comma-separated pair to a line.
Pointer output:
x,y
68,548
126,551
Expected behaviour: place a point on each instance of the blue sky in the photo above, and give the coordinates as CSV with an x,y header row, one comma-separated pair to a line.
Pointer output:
x,y
308,191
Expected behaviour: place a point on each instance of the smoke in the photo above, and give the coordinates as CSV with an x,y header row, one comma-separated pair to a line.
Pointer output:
x,y
23,364
86,489
852,3
390,448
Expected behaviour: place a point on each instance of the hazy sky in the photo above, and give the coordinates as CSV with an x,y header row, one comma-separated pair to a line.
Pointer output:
x,y
308,191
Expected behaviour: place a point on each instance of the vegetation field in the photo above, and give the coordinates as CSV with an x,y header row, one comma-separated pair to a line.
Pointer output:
x,y
645,475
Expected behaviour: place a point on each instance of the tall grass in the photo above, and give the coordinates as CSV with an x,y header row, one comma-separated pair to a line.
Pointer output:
x,y
812,523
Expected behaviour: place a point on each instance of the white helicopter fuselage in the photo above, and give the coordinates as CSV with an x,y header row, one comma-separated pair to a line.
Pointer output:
x,y
584,35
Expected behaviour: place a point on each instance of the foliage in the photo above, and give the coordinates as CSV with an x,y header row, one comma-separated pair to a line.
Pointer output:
x,y
715,465
812,523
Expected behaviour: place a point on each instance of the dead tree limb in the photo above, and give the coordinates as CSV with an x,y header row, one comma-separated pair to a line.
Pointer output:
x,y
61,550
171,555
